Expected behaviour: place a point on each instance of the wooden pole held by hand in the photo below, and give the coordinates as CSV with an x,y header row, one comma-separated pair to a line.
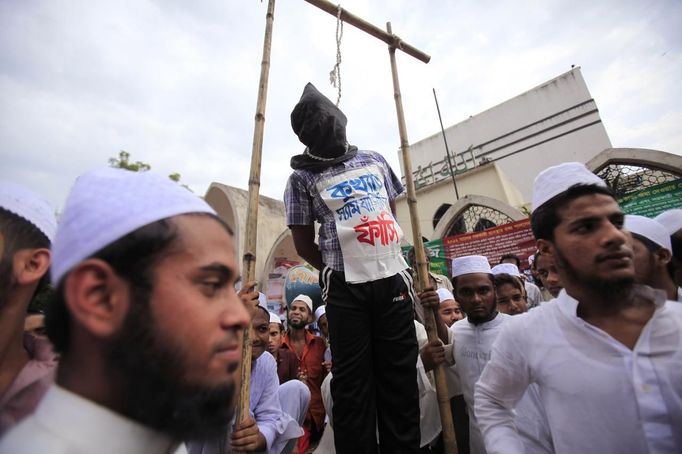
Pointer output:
x,y
449,440
249,259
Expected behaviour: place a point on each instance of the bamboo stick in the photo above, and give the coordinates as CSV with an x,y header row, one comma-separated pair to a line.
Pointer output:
x,y
249,259
373,30
449,440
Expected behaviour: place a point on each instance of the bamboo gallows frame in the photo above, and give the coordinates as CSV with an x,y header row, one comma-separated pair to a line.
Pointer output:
x,y
394,42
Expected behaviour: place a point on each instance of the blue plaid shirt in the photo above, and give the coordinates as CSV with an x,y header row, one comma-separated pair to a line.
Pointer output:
x,y
304,205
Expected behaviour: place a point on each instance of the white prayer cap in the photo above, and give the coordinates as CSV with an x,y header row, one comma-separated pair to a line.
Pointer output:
x,y
557,179
306,299
649,229
30,206
106,204
671,220
274,318
470,264
263,301
319,312
506,268
445,294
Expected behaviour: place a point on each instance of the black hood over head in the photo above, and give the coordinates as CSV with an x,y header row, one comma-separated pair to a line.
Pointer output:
x,y
321,127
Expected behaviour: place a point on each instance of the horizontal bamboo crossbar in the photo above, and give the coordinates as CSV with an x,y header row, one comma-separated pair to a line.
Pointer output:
x,y
389,38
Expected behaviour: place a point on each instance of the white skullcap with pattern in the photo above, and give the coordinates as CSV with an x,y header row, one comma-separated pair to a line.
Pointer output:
x,y
30,206
106,204
557,179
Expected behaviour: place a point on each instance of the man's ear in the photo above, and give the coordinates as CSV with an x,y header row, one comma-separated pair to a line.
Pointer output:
x,y
663,257
545,246
97,298
30,265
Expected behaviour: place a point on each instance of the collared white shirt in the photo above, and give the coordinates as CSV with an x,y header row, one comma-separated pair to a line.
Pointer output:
x,y
65,422
598,395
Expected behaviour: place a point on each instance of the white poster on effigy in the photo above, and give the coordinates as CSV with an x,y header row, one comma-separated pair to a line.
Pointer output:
x,y
368,233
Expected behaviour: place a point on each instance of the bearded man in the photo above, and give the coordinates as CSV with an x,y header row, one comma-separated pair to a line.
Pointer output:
x,y
146,319
605,354
309,350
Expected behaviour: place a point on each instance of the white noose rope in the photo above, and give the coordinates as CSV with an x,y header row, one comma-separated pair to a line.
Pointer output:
x,y
335,73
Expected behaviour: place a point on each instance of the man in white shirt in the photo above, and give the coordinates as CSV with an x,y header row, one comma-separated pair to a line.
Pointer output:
x,y
146,319
472,340
473,336
653,255
604,355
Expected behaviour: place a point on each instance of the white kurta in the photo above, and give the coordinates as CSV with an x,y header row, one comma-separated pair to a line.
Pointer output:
x,y
429,413
471,352
598,395
67,423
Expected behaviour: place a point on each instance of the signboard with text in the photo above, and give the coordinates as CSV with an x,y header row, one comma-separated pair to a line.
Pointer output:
x,y
654,200
513,238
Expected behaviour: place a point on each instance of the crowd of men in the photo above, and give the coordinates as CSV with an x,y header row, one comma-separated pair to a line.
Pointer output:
x,y
140,350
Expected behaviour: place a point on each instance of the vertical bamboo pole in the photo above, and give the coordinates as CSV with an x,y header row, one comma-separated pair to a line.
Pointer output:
x,y
249,260
449,440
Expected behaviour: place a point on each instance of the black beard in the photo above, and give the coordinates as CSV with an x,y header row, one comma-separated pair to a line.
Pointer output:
x,y
148,368
300,325
615,290
489,317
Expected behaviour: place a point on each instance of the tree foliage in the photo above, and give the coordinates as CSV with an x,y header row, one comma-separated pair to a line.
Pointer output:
x,y
123,161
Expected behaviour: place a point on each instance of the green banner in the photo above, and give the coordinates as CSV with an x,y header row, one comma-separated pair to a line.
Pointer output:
x,y
653,200
436,253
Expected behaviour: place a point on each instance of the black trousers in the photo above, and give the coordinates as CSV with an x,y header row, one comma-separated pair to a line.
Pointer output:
x,y
374,348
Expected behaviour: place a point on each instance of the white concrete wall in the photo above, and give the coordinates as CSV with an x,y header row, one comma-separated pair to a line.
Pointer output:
x,y
484,180
555,122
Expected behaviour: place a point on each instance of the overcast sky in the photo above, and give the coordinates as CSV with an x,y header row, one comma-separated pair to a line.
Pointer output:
x,y
174,83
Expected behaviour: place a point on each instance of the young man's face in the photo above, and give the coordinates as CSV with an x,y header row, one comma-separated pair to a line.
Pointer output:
x,y
548,274
177,355
450,312
590,246
510,300
195,305
260,333
275,337
476,295
299,314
